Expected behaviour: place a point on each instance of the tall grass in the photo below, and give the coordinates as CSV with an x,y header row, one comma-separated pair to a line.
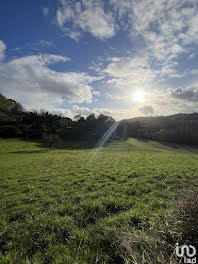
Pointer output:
x,y
119,206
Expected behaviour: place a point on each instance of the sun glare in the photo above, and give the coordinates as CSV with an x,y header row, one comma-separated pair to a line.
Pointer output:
x,y
138,96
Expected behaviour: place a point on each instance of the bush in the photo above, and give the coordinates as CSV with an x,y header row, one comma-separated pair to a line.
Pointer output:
x,y
10,132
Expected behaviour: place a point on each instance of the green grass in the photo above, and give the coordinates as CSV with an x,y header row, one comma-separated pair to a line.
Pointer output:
x,y
62,206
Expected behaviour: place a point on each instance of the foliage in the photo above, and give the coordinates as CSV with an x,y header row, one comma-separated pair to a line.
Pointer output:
x,y
180,128
4,103
10,107
40,124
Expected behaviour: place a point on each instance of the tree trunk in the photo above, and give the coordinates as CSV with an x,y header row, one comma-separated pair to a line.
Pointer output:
x,y
27,137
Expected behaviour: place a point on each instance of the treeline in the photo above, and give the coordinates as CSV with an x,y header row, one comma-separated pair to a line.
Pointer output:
x,y
179,128
16,122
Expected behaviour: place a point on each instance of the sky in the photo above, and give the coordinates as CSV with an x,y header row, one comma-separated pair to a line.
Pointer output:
x,y
124,58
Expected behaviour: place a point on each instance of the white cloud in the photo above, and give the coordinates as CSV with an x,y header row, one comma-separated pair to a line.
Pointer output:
x,y
113,59
155,103
168,30
85,15
84,111
164,103
30,80
117,97
45,43
45,11
146,109
169,70
164,29
167,27
127,67
189,94
2,49
76,110
54,110
129,72
97,93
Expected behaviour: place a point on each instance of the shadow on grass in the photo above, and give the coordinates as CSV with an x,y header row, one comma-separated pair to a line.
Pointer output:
x,y
180,146
29,151
143,140
172,145
90,144
165,143
43,144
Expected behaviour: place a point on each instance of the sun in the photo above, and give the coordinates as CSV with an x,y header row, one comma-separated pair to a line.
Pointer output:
x,y
138,96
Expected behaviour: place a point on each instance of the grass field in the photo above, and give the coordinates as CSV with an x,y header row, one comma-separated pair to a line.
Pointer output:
x,y
76,205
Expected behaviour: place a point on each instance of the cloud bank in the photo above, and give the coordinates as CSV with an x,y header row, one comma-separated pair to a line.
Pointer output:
x,y
31,80
74,17
2,49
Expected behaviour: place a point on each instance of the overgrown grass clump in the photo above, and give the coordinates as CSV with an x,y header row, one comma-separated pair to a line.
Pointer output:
x,y
113,205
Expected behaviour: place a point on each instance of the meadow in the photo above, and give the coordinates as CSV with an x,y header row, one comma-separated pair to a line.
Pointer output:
x,y
83,206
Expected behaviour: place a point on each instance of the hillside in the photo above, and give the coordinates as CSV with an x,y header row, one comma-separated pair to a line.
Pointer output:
x,y
180,128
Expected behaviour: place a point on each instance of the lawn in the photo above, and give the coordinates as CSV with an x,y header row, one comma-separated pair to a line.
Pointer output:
x,y
70,205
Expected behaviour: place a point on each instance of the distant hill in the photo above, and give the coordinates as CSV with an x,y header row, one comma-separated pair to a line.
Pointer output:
x,y
179,128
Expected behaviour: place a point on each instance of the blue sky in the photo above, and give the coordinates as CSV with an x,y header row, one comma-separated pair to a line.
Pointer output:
x,y
122,58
